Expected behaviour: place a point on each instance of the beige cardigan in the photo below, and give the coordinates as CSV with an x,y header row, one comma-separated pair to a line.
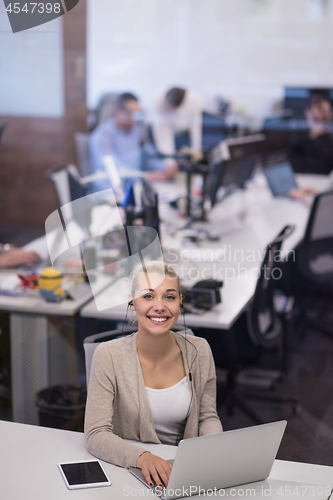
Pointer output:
x,y
118,408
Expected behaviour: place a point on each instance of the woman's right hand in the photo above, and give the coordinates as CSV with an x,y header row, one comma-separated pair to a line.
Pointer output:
x,y
154,468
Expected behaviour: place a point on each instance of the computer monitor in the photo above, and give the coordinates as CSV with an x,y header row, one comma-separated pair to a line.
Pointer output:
x,y
213,130
278,133
232,162
141,202
81,212
149,200
296,97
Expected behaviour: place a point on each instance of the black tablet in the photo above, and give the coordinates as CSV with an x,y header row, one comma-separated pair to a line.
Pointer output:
x,y
88,474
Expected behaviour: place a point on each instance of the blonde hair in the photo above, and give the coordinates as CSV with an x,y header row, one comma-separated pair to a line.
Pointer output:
x,y
157,267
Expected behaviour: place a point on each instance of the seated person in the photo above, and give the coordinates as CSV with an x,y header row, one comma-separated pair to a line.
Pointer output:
x,y
178,122
313,154
14,257
152,386
122,138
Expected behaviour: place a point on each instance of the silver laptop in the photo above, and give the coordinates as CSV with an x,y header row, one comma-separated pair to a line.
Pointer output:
x,y
221,460
280,178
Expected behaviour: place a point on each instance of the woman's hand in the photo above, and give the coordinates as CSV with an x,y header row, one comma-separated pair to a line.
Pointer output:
x,y
154,468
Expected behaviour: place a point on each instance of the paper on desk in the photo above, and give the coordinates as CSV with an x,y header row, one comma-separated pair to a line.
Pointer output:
x,y
10,283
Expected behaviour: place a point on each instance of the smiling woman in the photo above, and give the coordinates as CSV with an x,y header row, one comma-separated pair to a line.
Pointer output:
x,y
153,386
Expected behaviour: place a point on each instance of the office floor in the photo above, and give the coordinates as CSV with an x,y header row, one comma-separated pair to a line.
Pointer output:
x,y
309,433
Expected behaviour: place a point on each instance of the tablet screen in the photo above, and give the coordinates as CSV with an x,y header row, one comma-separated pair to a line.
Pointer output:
x,y
83,473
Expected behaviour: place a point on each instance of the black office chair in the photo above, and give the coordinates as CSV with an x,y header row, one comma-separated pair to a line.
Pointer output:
x,y
315,263
105,109
3,126
267,328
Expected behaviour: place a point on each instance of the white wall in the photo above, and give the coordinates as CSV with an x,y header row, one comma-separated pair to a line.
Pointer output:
x,y
31,69
244,50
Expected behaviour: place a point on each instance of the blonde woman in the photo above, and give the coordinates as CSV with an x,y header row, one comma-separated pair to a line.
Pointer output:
x,y
153,386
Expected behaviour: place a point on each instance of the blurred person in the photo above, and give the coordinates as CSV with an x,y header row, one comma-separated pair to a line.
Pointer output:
x,y
178,123
13,257
122,137
313,154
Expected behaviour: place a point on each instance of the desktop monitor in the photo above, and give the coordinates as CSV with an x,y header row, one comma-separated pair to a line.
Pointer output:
x,y
141,202
81,212
213,131
149,200
278,137
296,97
233,161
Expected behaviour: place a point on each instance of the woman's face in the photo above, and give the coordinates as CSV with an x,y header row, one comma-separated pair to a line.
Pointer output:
x,y
157,308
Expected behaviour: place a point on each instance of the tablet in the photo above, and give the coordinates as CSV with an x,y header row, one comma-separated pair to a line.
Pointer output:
x,y
87,474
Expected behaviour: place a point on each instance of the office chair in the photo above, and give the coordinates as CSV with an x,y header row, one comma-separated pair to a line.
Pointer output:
x,y
267,329
90,343
61,177
105,110
315,263
82,140
3,126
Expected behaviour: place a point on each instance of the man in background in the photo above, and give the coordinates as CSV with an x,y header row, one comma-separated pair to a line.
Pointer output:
x,y
313,154
123,137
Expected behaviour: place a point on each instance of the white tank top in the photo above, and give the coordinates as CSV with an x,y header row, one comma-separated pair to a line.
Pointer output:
x,y
170,407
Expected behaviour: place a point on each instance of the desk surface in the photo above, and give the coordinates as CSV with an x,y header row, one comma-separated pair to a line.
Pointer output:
x,y
29,457
246,222
37,305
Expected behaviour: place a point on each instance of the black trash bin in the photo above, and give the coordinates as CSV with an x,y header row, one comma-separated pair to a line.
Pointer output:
x,y
62,407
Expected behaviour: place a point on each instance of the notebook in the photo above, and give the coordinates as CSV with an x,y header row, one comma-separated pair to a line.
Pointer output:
x,y
280,178
221,460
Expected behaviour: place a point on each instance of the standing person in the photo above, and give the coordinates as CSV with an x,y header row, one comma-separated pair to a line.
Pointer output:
x,y
153,386
313,154
178,122
122,137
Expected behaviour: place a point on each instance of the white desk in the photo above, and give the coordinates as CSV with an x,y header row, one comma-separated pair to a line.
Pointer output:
x,y
246,222
29,457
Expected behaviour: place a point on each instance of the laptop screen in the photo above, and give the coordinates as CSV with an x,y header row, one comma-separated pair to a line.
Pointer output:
x,y
280,178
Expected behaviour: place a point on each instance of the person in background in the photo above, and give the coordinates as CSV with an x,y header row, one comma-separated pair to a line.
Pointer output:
x,y
313,154
153,386
13,257
177,123
122,137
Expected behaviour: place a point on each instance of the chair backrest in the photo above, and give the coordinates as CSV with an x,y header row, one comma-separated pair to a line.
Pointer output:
x,y
106,107
82,140
264,324
90,343
60,178
316,251
3,126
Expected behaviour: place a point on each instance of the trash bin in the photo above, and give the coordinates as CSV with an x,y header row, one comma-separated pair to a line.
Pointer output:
x,y
62,407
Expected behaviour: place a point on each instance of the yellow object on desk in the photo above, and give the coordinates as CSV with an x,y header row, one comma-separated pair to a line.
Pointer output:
x,y
49,284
